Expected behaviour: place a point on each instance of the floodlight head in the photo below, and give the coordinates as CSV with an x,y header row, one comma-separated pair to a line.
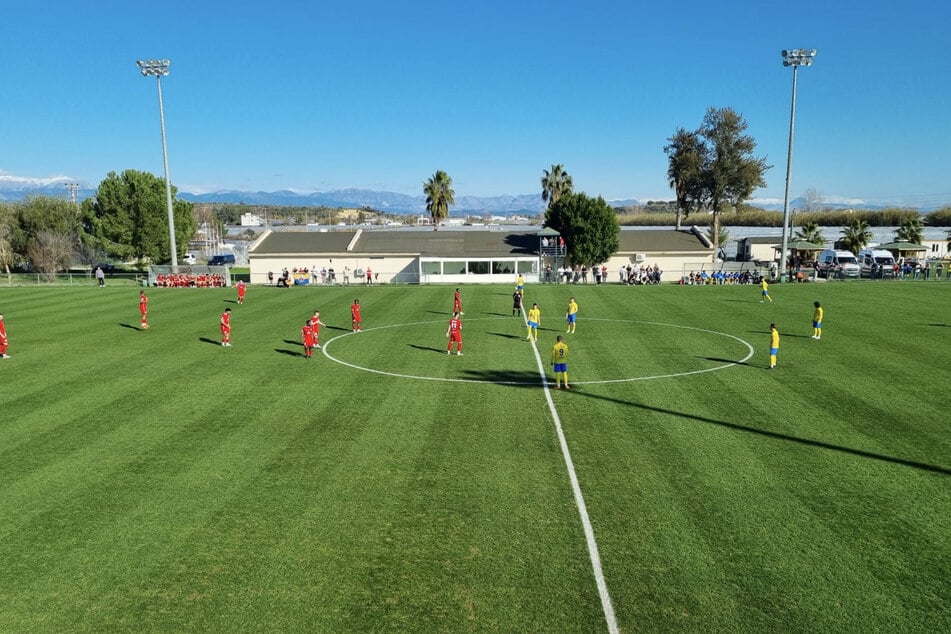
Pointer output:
x,y
153,67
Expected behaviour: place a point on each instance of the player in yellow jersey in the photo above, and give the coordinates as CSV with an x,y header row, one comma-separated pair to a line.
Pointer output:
x,y
765,285
773,345
534,320
817,321
572,315
559,361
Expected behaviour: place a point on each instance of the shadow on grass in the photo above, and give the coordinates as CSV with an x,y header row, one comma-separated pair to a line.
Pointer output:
x,y
291,342
776,435
230,301
515,378
129,326
731,361
426,348
211,341
505,335
290,353
941,325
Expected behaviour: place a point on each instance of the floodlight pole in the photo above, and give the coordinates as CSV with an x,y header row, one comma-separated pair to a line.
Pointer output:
x,y
795,58
159,68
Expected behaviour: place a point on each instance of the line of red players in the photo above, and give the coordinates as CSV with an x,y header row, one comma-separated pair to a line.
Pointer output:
x,y
189,280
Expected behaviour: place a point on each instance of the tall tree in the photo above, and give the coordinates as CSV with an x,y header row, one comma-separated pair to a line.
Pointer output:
x,y
555,184
439,196
856,235
685,159
731,172
588,225
811,232
50,252
9,232
715,167
912,230
128,218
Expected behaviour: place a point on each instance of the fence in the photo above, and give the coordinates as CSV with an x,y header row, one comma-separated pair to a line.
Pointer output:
x,y
69,279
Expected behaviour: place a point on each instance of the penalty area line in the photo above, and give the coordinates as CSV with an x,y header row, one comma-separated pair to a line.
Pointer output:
x,y
593,553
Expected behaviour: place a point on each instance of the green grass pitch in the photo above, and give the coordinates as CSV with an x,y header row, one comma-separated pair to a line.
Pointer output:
x,y
156,481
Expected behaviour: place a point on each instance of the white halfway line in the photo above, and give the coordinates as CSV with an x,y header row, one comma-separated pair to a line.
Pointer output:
x,y
579,501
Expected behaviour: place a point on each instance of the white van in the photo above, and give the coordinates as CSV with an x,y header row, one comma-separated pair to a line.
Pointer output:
x,y
876,263
189,259
832,263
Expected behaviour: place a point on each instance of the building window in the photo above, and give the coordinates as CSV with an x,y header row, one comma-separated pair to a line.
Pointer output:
x,y
479,267
431,268
503,267
528,266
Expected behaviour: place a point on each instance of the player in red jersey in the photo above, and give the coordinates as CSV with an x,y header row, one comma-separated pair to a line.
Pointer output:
x,y
144,310
316,324
457,303
307,337
454,333
226,327
3,339
355,316
241,289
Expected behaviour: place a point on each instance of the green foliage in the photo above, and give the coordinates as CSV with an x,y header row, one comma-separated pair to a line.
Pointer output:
x,y
588,225
939,218
439,196
128,218
856,235
810,232
912,230
555,184
714,167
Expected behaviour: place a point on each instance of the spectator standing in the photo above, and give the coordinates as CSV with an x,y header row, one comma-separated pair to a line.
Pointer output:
x,y
346,276
369,277
100,276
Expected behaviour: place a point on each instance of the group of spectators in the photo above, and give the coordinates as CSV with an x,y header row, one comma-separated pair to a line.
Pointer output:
x,y
643,274
721,277
189,280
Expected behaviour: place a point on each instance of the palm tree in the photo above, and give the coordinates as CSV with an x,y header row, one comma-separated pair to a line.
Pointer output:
x,y
856,235
439,196
555,184
810,232
912,230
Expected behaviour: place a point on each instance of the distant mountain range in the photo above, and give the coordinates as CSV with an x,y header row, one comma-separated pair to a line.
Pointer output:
x,y
16,188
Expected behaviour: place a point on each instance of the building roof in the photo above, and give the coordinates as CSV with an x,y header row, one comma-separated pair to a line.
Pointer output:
x,y
448,243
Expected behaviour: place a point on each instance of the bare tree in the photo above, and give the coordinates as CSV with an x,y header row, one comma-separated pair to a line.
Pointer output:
x,y
813,200
51,252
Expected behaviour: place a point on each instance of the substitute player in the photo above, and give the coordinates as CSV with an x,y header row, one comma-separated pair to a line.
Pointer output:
x,y
454,333
241,289
307,338
534,320
572,315
817,321
225,323
773,345
144,310
559,361
355,322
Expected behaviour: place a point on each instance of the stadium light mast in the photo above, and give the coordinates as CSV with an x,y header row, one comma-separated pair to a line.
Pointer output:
x,y
158,68
796,57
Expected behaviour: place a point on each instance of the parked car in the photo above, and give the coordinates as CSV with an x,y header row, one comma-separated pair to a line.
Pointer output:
x,y
876,263
189,259
832,263
222,259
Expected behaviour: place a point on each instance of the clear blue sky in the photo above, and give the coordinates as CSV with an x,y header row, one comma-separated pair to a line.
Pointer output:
x,y
319,95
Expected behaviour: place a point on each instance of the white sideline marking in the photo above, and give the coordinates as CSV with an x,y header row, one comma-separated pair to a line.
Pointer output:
x,y
606,604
